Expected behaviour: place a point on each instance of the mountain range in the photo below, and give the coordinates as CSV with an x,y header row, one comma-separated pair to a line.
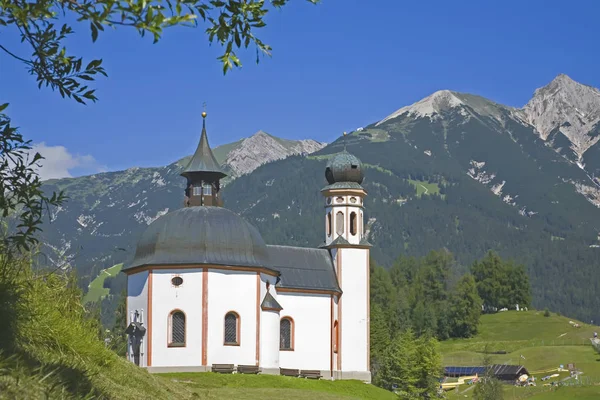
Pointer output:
x,y
452,170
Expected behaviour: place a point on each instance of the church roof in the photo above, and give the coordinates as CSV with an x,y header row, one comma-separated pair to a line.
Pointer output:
x,y
218,236
343,185
303,268
203,160
201,235
269,303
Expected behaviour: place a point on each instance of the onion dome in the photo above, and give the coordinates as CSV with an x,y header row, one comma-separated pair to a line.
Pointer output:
x,y
344,167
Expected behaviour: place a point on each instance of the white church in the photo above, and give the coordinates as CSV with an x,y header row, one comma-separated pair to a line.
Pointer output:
x,y
205,292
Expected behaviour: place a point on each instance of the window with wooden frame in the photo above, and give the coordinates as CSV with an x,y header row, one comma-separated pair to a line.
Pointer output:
x,y
286,334
336,337
232,329
197,190
176,329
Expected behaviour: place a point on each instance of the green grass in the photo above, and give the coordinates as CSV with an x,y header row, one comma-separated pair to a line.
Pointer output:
x,y
375,135
96,290
251,387
545,342
424,187
378,168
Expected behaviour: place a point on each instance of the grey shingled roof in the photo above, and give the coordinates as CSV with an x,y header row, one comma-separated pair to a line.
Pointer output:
x,y
303,268
343,185
203,159
337,241
344,167
201,235
270,303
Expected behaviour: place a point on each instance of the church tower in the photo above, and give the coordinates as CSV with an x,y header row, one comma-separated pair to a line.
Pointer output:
x,y
346,241
203,175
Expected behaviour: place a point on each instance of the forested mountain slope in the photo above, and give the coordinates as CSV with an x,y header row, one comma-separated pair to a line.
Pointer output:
x,y
453,171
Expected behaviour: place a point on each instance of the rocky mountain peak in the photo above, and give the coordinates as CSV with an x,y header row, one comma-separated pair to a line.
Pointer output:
x,y
261,148
568,105
441,100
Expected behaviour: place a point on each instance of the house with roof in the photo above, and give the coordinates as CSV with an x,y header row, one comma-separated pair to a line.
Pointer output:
x,y
204,289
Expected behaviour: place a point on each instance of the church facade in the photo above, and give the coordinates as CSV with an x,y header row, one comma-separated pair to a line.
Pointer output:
x,y
204,289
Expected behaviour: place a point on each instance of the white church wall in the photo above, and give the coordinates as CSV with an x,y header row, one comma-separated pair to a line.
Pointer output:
x,y
231,291
137,300
269,340
311,314
165,299
354,310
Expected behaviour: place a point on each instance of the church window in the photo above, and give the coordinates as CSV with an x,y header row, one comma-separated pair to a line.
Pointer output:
x,y
232,329
329,224
339,199
339,223
336,337
353,223
177,325
197,190
207,190
177,281
286,334
353,200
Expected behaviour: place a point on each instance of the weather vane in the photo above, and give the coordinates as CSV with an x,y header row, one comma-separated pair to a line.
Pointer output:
x,y
345,140
204,110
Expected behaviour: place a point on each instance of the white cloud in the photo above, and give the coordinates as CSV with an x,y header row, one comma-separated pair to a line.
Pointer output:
x,y
58,162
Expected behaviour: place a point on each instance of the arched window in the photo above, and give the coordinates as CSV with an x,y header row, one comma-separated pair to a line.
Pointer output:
x,y
177,329
353,223
339,223
329,223
286,334
336,337
232,329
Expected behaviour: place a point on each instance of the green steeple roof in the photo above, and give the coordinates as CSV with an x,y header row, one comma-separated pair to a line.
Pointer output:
x,y
203,160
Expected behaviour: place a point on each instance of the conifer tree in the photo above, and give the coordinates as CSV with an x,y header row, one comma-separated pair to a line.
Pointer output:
x,y
380,338
465,308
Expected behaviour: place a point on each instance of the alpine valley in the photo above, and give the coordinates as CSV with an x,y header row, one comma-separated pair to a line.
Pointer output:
x,y
453,170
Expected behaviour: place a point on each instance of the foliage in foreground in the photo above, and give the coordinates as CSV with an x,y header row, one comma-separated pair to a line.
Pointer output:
x,y
411,366
50,348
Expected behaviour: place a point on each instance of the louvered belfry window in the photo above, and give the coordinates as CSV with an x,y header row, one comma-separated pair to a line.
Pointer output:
x,y
178,329
285,334
339,223
231,328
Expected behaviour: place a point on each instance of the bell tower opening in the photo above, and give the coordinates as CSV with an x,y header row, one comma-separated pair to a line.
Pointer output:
x,y
203,174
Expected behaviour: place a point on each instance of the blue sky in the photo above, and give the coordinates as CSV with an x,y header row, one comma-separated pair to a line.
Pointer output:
x,y
335,67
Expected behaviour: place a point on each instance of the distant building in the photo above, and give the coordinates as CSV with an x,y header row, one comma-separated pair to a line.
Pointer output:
x,y
500,371
204,289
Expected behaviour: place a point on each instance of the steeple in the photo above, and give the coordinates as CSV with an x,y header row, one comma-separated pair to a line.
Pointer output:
x,y
203,174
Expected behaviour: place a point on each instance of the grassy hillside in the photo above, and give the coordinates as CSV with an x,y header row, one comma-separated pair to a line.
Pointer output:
x,y
96,290
251,387
539,343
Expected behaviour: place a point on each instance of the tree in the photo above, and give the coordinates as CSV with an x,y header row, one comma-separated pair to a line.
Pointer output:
x,y
43,27
501,283
118,338
428,365
379,338
465,308
411,366
399,372
488,388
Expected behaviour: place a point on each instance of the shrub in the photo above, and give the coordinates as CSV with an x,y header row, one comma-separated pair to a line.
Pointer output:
x,y
546,312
